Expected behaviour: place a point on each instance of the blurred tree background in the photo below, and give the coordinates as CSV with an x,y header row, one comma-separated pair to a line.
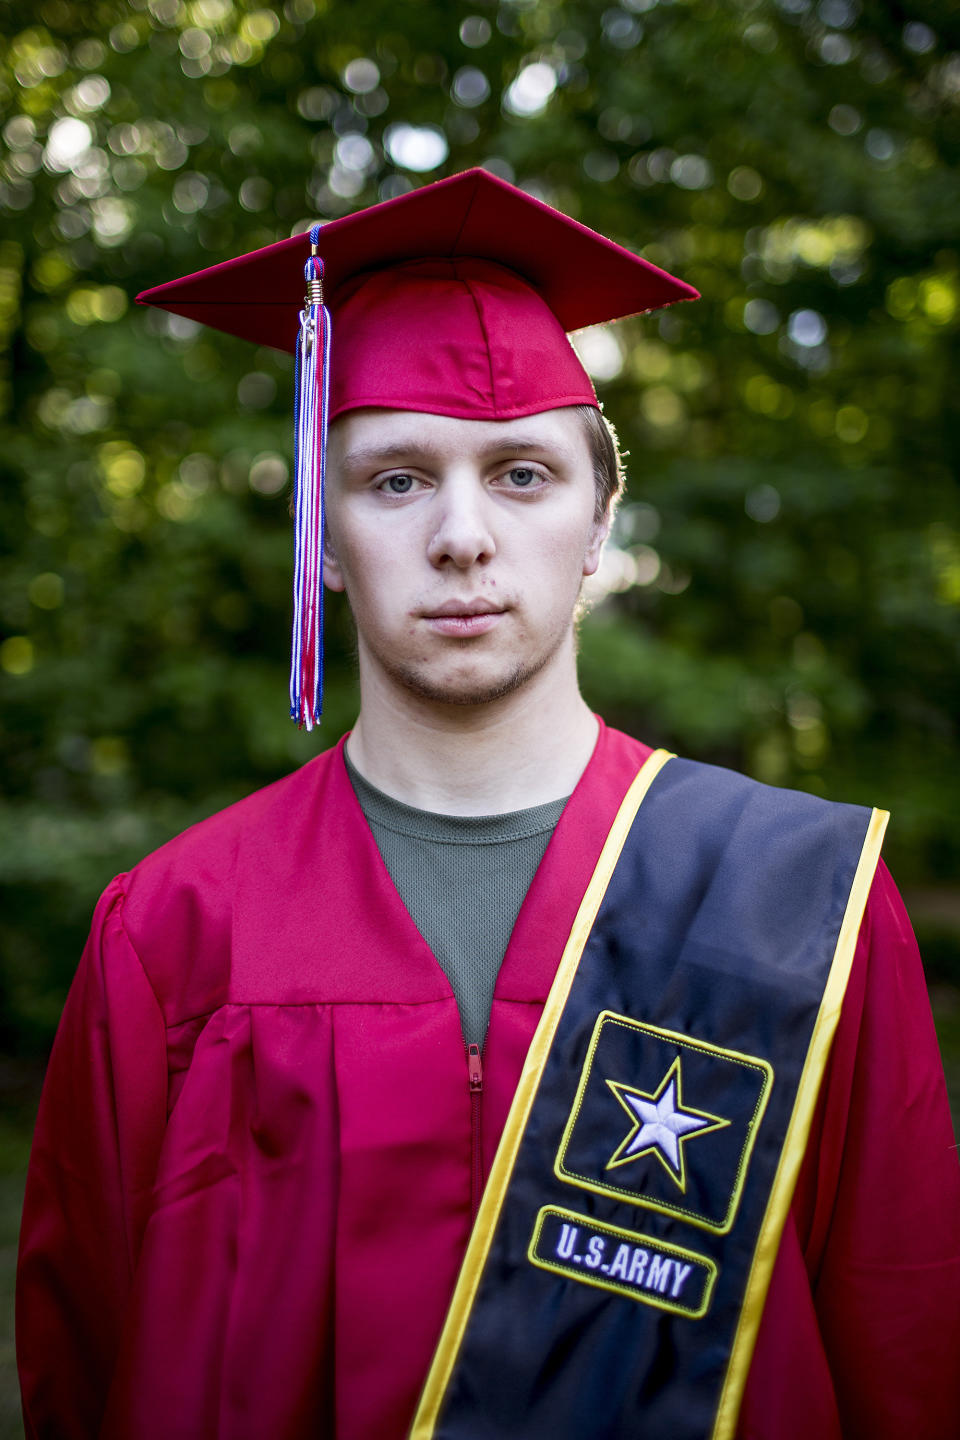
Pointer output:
x,y
783,591
784,588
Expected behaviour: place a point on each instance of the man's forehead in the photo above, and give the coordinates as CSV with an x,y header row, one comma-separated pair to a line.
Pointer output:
x,y
385,436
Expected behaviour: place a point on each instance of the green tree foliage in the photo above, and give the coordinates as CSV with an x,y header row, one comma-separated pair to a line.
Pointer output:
x,y
784,586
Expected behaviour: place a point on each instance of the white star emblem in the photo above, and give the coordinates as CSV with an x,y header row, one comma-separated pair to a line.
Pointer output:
x,y
660,1124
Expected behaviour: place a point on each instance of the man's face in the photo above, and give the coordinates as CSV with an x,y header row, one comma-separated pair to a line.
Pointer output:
x,y
461,545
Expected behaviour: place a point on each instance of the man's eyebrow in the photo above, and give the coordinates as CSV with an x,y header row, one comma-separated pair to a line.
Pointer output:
x,y
361,456
524,443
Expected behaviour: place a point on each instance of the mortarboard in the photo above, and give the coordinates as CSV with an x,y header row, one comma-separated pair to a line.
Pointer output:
x,y
453,299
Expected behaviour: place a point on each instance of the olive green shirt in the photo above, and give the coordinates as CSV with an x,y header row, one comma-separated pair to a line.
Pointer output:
x,y
463,878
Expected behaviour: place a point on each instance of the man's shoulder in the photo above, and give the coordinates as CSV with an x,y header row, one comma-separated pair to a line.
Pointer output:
x,y
192,881
212,840
705,785
710,785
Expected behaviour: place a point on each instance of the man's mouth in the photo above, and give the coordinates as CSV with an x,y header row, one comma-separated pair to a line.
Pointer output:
x,y
464,618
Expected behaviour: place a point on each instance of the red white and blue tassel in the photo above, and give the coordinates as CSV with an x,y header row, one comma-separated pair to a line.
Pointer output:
x,y
310,450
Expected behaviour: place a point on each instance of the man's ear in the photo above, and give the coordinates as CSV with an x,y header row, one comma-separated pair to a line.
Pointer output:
x,y
598,534
332,574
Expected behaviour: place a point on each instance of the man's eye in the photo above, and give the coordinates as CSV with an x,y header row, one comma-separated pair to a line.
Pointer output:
x,y
522,475
398,484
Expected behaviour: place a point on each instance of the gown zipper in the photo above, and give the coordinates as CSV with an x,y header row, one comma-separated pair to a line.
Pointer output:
x,y
475,1077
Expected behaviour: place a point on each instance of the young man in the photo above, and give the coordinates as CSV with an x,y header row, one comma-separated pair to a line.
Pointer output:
x,y
491,1075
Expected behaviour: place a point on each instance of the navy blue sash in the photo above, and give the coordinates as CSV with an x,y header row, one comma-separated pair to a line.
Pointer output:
x,y
618,1268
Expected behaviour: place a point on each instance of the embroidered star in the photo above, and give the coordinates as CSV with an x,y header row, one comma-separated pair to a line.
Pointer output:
x,y
661,1124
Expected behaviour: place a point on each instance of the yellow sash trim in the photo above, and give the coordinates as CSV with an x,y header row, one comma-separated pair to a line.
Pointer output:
x,y
480,1240
794,1146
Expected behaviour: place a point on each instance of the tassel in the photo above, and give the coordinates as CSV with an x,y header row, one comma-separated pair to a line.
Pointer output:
x,y
311,404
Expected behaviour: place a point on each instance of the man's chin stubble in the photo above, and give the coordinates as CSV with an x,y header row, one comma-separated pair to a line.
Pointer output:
x,y
467,693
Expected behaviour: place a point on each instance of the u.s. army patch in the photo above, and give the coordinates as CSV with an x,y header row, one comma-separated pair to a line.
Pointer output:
x,y
664,1121
651,1271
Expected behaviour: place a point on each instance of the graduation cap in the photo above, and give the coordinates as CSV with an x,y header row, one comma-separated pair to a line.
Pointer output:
x,y
453,299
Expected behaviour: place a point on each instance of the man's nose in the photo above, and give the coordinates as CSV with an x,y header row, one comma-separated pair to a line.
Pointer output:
x,y
463,533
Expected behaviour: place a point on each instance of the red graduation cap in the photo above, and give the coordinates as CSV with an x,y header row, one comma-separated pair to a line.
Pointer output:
x,y
453,299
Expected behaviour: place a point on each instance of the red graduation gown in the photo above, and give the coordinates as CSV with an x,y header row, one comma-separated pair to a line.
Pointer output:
x,y
250,1188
